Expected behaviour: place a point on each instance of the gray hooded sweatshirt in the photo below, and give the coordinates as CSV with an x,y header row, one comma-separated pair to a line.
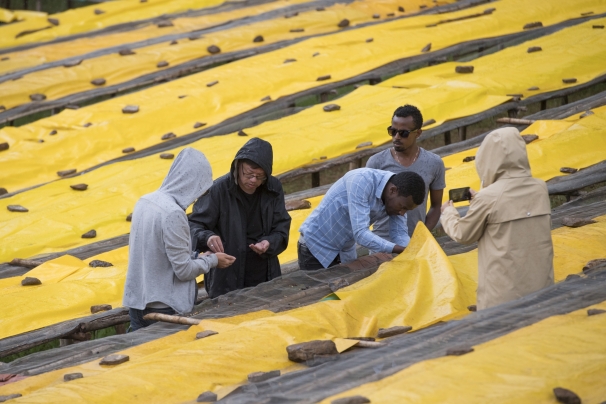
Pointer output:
x,y
161,267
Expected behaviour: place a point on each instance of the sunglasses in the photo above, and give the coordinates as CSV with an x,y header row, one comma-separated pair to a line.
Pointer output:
x,y
402,132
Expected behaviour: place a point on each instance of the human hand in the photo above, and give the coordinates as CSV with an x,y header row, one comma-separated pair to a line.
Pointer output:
x,y
215,244
445,205
473,193
260,247
398,249
224,260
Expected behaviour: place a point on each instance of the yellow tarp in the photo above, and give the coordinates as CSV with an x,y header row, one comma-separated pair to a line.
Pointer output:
x,y
52,52
69,288
59,82
58,216
244,83
7,16
428,289
162,370
524,366
84,19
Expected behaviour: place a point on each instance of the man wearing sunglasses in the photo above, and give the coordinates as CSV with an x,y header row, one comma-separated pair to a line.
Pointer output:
x,y
243,215
406,156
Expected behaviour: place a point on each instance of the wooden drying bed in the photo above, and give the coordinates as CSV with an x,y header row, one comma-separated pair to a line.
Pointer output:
x,y
246,20
129,26
562,185
193,66
277,295
461,123
588,206
358,367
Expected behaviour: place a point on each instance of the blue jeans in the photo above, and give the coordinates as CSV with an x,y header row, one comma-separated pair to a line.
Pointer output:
x,y
136,317
307,261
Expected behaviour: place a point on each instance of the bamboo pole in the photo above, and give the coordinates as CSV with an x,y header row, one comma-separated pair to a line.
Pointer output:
x,y
516,121
171,319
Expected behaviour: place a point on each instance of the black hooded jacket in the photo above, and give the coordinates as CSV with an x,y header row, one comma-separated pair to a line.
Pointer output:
x,y
218,212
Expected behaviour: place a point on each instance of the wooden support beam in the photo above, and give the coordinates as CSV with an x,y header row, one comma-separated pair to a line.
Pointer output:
x,y
463,133
355,164
447,139
315,179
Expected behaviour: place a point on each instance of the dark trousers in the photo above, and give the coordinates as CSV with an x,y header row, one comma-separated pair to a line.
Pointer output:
x,y
136,317
307,261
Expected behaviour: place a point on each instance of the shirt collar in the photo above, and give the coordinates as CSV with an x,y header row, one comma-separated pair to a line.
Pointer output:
x,y
381,186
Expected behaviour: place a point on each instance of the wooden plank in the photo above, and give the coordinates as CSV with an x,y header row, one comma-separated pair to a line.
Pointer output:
x,y
567,184
22,342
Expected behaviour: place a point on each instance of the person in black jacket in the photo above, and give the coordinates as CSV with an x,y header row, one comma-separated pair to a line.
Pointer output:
x,y
243,215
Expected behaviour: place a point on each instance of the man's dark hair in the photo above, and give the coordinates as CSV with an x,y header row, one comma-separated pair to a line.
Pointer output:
x,y
410,183
251,163
410,110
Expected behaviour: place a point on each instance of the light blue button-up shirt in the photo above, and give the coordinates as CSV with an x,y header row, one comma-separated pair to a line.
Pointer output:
x,y
345,214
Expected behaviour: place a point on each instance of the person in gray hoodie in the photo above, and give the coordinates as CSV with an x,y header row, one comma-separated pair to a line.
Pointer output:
x,y
162,268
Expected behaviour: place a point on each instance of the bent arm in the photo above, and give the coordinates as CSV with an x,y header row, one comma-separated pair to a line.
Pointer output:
x,y
398,231
433,216
204,219
359,197
280,227
470,228
178,249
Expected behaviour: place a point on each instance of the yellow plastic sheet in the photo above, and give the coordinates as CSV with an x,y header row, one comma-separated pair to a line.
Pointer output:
x,y
59,82
7,16
58,215
85,19
52,52
417,288
242,85
524,366
69,288
162,370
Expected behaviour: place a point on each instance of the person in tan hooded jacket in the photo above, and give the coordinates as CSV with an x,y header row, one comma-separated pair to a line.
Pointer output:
x,y
510,218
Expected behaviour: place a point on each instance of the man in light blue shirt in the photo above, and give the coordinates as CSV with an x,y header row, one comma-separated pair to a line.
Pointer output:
x,y
361,197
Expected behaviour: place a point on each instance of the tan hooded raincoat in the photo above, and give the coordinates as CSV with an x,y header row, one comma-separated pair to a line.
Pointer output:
x,y
510,217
